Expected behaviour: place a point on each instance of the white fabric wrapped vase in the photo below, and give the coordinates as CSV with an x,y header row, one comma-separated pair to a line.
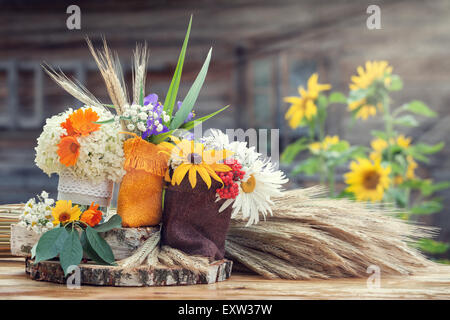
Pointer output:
x,y
83,191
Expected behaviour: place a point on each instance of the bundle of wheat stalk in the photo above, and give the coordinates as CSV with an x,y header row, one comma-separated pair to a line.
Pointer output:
x,y
9,214
309,237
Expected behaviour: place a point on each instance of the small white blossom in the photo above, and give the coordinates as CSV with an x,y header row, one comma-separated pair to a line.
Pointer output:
x,y
159,128
130,127
44,195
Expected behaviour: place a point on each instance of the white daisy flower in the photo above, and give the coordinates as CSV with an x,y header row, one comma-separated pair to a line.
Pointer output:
x,y
261,182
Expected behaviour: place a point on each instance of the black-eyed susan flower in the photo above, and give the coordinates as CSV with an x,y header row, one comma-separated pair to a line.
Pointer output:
x,y
367,180
304,106
189,157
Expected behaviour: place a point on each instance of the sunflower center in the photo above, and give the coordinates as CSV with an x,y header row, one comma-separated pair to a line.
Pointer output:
x,y
249,185
73,147
371,180
194,158
64,216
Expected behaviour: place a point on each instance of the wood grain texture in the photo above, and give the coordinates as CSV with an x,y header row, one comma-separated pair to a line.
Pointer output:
x,y
97,275
431,284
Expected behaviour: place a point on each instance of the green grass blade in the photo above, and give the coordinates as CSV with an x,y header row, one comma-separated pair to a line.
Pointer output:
x,y
171,96
191,96
191,124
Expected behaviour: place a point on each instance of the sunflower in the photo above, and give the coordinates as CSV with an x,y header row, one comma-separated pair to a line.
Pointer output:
x,y
379,145
261,182
192,159
68,151
327,142
304,106
83,121
63,212
376,73
92,216
367,180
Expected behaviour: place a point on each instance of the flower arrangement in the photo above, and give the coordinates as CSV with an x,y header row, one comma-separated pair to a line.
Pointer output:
x,y
74,233
385,172
73,141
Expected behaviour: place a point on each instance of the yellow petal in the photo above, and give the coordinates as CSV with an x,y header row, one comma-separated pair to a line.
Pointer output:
x,y
193,176
180,172
204,174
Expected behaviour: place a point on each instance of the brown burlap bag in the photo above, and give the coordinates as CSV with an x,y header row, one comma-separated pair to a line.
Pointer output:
x,y
191,221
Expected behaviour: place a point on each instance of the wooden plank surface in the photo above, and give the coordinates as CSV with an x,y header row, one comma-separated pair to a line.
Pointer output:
x,y
431,284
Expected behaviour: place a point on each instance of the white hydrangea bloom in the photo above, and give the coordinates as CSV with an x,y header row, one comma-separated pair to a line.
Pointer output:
x,y
101,152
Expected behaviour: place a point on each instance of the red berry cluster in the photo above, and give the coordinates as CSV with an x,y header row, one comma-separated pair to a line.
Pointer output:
x,y
230,189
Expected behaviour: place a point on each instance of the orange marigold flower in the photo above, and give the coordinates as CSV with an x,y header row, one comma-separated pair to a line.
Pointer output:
x,y
68,151
83,121
69,128
92,216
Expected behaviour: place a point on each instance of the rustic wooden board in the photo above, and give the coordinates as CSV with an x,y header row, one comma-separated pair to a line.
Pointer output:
x,y
99,275
433,283
123,241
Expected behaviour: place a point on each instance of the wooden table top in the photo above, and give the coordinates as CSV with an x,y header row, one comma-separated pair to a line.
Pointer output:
x,y
431,284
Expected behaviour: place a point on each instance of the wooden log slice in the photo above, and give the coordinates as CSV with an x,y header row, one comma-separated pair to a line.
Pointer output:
x,y
98,275
123,241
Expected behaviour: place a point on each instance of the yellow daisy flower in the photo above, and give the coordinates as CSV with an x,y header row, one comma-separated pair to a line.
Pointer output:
x,y
327,142
374,71
367,180
194,159
304,106
63,212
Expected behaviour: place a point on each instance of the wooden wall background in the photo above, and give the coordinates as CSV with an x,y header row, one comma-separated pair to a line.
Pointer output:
x,y
414,38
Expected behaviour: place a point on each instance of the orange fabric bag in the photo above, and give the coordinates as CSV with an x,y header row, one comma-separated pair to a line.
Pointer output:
x,y
140,193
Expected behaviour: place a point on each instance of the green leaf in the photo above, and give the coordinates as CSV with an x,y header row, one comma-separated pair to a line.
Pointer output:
x,y
291,151
407,121
72,251
357,95
192,95
191,124
171,96
105,121
309,167
161,137
396,83
89,251
99,245
110,106
420,108
427,207
114,222
379,134
141,94
428,149
337,97
432,246
50,244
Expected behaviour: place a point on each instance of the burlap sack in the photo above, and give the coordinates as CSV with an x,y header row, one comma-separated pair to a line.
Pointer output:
x,y
140,194
191,220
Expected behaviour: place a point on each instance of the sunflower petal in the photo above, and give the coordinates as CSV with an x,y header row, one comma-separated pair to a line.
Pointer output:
x,y
204,174
193,176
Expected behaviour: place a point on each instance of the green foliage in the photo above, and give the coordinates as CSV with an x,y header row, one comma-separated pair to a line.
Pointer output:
x,y
192,95
420,108
191,124
70,241
171,96
396,83
337,97
292,150
432,246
